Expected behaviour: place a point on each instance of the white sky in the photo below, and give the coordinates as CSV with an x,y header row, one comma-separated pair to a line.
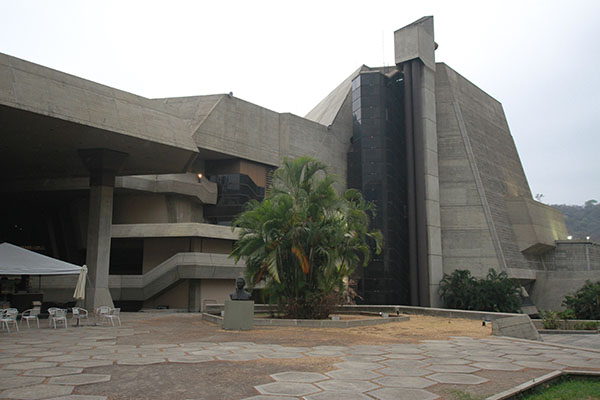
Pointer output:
x,y
539,58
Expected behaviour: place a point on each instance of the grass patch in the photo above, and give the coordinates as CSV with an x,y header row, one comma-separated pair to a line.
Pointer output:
x,y
569,388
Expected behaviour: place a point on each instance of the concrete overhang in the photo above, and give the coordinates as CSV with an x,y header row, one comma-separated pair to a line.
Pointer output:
x,y
536,226
522,274
416,41
184,184
46,116
182,229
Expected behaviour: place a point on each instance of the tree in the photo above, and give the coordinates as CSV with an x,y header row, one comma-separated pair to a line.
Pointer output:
x,y
304,239
585,303
582,221
497,292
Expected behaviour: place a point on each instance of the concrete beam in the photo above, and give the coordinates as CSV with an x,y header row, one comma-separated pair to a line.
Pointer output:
x,y
182,229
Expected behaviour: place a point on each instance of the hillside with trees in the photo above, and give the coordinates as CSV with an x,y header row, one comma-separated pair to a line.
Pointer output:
x,y
582,221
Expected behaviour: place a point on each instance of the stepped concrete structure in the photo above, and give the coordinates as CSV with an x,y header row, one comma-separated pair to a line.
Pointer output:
x,y
144,190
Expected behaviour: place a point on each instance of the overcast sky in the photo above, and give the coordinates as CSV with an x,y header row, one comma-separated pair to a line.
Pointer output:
x,y
540,59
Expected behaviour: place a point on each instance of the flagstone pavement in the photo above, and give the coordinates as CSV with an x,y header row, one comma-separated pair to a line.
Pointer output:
x,y
50,364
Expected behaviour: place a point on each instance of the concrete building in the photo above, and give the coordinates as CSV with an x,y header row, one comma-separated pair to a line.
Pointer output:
x,y
91,174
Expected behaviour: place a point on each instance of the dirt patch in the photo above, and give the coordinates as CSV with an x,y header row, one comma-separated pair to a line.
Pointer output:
x,y
190,327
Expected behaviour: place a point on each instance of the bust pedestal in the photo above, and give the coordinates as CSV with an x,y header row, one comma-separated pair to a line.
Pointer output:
x,y
239,315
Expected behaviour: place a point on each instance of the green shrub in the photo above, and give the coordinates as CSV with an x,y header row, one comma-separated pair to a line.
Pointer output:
x,y
458,290
567,314
586,326
496,293
585,303
551,319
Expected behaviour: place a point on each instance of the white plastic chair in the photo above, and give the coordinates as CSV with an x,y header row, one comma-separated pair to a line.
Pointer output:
x,y
10,316
59,316
113,315
31,315
51,312
100,313
79,314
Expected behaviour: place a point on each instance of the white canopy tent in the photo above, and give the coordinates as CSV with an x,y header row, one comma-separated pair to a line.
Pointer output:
x,y
15,260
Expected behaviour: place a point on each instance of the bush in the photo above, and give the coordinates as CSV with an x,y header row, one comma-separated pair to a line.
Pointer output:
x,y
496,293
585,303
586,326
551,319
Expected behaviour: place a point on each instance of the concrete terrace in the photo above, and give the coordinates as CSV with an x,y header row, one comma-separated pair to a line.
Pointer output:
x,y
179,356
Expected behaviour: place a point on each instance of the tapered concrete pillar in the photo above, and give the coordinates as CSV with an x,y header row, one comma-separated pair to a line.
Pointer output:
x,y
195,296
103,165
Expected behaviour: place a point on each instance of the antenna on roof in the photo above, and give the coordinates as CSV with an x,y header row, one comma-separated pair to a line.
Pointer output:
x,y
383,47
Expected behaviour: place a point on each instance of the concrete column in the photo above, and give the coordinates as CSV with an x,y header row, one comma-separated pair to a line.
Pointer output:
x,y
98,247
414,47
194,297
103,165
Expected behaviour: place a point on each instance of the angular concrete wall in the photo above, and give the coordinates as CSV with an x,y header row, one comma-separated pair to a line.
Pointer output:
x,y
489,218
469,238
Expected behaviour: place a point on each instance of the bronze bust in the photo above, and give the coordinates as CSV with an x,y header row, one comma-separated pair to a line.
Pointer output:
x,y
240,293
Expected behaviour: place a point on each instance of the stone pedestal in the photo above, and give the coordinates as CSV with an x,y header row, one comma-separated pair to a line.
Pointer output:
x,y
239,315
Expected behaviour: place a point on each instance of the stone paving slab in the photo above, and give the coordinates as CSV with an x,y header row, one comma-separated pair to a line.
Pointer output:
x,y
406,371
18,381
6,373
495,366
452,368
351,374
30,365
462,379
88,363
55,371
404,356
336,385
404,381
37,392
388,393
79,379
333,395
282,355
287,388
295,376
540,365
141,361
79,397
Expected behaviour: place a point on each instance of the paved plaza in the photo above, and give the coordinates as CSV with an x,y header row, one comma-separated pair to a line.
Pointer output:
x,y
127,362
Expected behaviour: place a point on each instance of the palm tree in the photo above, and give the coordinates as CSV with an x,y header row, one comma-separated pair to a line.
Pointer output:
x,y
304,239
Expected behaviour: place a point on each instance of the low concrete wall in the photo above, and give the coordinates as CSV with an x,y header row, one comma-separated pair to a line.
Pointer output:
x,y
434,312
391,309
313,323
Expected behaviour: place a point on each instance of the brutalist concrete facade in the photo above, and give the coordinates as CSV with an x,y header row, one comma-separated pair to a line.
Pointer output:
x,y
95,175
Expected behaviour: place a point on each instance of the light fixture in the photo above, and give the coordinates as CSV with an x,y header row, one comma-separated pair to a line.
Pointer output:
x,y
200,176
587,238
569,237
